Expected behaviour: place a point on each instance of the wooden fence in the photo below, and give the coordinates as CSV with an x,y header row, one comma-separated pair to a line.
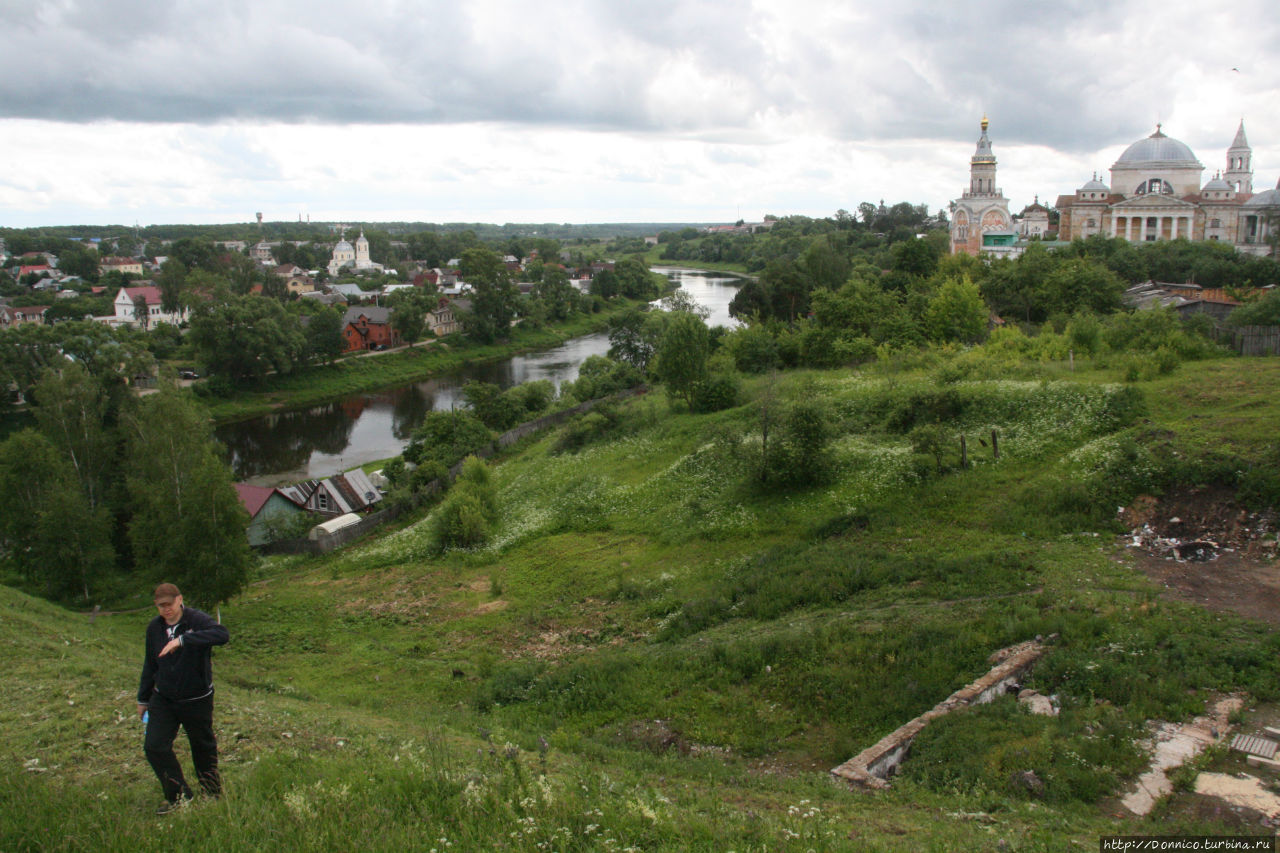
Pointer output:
x,y
1249,340
369,522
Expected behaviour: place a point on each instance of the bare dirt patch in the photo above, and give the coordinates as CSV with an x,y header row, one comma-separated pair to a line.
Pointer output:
x,y
1203,547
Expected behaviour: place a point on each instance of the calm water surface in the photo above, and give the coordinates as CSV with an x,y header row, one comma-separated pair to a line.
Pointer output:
x,y
289,446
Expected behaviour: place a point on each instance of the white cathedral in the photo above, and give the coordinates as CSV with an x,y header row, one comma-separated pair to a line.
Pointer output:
x,y
350,258
1156,193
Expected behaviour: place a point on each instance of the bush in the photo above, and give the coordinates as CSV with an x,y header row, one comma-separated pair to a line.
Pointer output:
x,y
796,454
582,431
753,349
719,391
446,437
465,518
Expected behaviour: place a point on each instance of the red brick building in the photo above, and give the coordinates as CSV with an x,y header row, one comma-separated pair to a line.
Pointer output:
x,y
368,327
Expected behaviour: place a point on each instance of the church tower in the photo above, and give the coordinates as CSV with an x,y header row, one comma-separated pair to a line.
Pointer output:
x,y
362,251
982,208
982,167
1239,173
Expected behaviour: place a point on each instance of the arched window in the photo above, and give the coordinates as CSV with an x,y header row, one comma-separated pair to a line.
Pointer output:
x,y
1155,186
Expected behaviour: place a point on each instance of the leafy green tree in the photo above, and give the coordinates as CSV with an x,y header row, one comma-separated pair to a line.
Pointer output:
x,y
495,409
823,265
631,338
957,313
493,297
446,437
192,252
72,410
1263,311
634,279
754,350
682,353
1080,285
794,452
409,310
187,522
323,333
54,539
246,337
171,281
77,260
555,291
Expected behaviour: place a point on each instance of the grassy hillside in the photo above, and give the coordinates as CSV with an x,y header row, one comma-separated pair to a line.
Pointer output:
x,y
653,653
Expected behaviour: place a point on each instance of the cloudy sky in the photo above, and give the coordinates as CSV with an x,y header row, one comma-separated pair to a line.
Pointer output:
x,y
116,111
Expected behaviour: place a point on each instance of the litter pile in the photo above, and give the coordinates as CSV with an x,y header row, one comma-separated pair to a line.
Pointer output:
x,y
1198,526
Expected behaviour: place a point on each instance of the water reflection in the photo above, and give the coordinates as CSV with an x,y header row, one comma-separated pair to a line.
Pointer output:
x,y
286,447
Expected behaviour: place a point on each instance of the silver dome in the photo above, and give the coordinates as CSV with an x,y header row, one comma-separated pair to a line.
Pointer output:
x,y
1158,148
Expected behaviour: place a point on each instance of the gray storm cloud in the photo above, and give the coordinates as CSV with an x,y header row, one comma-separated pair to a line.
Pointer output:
x,y
1069,74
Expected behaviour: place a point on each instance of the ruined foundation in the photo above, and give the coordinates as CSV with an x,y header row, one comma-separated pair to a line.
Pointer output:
x,y
872,767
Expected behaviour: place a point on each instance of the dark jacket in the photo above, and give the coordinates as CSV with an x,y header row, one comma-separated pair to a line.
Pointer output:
x,y
188,672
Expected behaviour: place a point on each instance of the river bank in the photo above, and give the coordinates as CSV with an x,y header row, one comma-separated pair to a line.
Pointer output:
x,y
355,374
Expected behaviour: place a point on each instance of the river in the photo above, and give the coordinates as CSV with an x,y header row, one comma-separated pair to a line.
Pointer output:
x,y
319,441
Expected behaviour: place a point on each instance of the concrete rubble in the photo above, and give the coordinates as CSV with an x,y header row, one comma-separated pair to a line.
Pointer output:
x,y
1173,745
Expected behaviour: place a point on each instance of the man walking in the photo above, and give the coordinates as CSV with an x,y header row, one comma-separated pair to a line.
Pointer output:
x,y
177,690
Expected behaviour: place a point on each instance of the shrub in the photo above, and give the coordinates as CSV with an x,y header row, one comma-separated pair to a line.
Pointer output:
x,y
465,518
754,350
718,391
582,431
446,437
795,456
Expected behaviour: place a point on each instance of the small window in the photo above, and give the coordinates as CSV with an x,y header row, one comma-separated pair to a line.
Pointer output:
x,y
322,501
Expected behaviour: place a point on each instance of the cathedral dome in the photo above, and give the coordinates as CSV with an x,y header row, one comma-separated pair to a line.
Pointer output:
x,y
1217,185
1158,148
1095,184
343,246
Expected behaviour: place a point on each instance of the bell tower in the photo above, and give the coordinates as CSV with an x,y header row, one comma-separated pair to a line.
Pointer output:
x,y
1239,173
982,167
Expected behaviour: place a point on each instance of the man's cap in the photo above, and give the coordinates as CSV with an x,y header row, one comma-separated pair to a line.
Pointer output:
x,y
166,590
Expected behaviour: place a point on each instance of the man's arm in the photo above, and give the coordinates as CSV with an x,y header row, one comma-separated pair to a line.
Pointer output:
x,y
147,683
204,631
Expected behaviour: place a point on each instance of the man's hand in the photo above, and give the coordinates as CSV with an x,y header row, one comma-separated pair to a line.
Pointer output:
x,y
142,709
171,646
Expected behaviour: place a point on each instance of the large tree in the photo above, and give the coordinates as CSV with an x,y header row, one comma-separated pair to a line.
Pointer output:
x,y
188,525
246,337
54,539
493,296
682,355
73,411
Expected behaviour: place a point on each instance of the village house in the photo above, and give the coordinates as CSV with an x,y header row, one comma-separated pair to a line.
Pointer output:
x,y
443,320
130,299
127,266
369,327
270,512
296,279
11,317
351,491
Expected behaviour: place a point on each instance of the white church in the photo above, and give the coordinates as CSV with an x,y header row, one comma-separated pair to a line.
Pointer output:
x,y
352,259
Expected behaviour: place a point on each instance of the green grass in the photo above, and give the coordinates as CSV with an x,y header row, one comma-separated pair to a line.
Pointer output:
x,y
694,654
